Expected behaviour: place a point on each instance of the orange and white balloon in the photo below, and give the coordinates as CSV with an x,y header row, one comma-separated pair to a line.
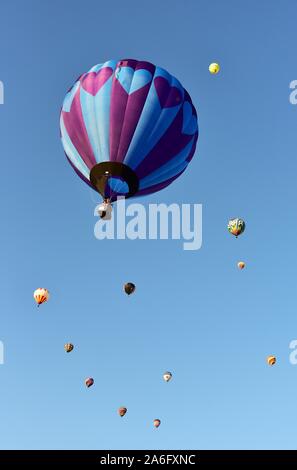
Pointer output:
x,y
41,295
157,423
167,376
271,360
241,264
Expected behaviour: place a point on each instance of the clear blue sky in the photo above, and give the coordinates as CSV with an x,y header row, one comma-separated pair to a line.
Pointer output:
x,y
194,313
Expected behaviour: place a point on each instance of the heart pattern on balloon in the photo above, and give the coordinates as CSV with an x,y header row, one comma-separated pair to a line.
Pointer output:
x,y
169,96
133,80
92,82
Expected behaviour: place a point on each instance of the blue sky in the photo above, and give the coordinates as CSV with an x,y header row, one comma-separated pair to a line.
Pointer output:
x,y
194,313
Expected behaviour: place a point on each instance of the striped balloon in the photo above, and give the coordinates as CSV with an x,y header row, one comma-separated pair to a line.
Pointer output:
x,y
41,295
128,128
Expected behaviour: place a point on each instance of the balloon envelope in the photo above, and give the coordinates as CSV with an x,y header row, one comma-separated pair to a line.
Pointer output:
x,y
128,128
89,382
129,288
41,295
236,226
271,360
68,347
122,411
167,376
214,68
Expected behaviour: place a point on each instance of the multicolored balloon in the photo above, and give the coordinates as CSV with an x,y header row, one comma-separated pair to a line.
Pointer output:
x,y
241,265
129,288
157,423
41,295
167,376
236,226
271,360
128,128
122,411
89,382
68,347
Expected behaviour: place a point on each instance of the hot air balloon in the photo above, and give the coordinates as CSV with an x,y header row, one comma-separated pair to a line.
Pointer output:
x,y
167,376
241,264
157,423
129,288
68,347
89,382
122,411
41,295
236,226
214,68
271,360
128,128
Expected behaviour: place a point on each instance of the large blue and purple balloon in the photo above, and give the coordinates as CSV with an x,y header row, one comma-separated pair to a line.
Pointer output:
x,y
128,128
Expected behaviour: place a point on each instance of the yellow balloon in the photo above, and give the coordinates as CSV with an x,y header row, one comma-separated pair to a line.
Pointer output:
x,y
271,360
214,68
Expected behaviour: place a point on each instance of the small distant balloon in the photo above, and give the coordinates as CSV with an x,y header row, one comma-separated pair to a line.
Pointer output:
x,y
167,376
236,226
214,68
41,295
89,382
68,347
271,360
129,288
157,423
122,411
241,264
